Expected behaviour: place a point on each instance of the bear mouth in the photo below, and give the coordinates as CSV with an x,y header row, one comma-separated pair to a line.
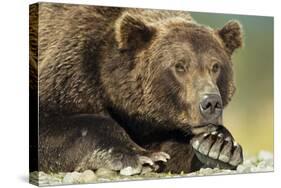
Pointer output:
x,y
204,128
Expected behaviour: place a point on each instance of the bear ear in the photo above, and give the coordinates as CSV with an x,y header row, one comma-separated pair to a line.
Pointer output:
x,y
231,35
132,32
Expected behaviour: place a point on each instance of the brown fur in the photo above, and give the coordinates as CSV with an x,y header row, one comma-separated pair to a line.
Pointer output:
x,y
118,63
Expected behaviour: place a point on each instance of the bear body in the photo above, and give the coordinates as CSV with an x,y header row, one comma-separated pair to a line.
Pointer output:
x,y
122,87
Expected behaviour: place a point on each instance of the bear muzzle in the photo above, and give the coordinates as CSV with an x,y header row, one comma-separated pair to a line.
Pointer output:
x,y
211,107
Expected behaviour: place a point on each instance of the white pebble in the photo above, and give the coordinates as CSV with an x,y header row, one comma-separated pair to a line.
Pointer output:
x,y
87,176
71,177
265,155
128,171
244,168
105,173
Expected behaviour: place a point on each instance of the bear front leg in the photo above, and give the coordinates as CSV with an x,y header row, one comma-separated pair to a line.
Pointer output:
x,y
183,158
91,142
218,149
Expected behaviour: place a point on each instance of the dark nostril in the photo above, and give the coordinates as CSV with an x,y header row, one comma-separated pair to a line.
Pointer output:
x,y
211,106
207,105
218,105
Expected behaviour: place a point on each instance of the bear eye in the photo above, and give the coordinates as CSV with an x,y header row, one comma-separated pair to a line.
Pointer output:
x,y
215,67
181,67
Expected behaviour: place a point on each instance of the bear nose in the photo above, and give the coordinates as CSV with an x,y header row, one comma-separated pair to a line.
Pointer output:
x,y
211,106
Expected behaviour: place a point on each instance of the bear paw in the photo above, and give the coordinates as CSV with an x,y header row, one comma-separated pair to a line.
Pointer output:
x,y
217,150
145,163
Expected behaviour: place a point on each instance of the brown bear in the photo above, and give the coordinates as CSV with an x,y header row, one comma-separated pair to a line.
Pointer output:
x,y
124,88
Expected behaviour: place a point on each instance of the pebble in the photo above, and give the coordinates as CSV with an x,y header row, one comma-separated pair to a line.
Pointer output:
x,y
71,177
244,168
146,170
265,155
128,171
205,171
105,173
87,176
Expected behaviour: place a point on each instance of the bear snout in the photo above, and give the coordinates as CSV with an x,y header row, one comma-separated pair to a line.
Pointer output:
x,y
211,107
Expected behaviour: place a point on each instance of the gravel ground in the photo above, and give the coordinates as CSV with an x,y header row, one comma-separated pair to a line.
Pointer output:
x,y
263,162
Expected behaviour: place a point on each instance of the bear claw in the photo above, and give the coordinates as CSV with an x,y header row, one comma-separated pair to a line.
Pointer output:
x,y
217,150
214,132
146,160
149,160
237,157
160,156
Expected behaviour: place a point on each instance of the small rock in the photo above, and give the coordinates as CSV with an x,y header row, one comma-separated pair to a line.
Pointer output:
x,y
128,171
105,173
265,155
262,164
71,177
205,171
256,169
244,168
87,176
146,170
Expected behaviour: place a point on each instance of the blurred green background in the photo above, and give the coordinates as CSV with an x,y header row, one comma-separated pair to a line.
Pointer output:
x,y
249,116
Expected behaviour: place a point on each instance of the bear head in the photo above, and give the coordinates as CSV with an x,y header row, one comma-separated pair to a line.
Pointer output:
x,y
178,71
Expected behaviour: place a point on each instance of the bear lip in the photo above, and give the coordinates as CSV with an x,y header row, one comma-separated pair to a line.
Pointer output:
x,y
206,127
203,125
